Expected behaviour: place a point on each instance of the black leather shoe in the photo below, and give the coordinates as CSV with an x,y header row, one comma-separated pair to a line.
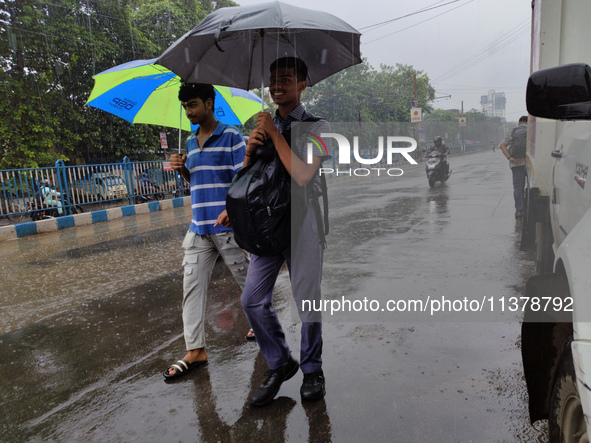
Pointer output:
x,y
269,388
313,386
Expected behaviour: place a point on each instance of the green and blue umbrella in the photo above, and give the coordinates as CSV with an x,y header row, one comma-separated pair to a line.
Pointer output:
x,y
141,91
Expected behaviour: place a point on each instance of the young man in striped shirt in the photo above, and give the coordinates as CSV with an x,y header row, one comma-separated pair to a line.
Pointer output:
x,y
215,153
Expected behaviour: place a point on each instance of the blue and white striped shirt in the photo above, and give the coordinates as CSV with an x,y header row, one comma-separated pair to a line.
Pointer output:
x,y
212,169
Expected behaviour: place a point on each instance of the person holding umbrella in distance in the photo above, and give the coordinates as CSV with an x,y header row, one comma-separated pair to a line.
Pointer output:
x,y
304,257
215,153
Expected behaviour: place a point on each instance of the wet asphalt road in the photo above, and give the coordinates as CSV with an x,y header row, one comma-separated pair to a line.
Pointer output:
x,y
90,318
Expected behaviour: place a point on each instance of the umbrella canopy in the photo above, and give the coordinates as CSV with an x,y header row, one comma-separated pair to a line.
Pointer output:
x,y
141,91
234,46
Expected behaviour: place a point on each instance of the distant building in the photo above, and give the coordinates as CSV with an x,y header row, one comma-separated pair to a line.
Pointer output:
x,y
493,104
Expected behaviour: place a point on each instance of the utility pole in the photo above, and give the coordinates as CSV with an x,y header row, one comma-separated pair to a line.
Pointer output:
x,y
417,123
463,147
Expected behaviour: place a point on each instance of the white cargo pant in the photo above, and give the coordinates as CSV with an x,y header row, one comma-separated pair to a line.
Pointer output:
x,y
201,252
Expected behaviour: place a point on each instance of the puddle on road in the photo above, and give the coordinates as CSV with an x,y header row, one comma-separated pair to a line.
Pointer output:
x,y
84,352
429,383
48,279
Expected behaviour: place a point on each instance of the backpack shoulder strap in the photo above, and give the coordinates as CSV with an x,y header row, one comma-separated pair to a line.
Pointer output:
x,y
323,232
325,203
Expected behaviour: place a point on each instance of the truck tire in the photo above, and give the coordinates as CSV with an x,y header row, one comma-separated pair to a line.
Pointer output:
x,y
566,423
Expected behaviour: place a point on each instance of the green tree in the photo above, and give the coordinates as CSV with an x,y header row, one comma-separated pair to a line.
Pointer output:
x,y
483,128
162,22
396,86
49,53
442,123
30,127
362,93
441,115
343,96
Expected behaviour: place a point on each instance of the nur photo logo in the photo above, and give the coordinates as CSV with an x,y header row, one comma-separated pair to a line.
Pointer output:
x,y
388,149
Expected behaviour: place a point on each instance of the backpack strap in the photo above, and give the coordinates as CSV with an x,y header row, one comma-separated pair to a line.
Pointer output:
x,y
320,228
325,202
309,189
322,231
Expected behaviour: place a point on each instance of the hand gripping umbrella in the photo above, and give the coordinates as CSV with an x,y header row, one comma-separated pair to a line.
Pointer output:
x,y
234,46
141,91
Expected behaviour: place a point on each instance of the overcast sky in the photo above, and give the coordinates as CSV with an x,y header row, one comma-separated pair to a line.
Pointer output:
x,y
466,47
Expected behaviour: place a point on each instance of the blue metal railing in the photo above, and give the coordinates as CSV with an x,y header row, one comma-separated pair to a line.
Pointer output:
x,y
32,190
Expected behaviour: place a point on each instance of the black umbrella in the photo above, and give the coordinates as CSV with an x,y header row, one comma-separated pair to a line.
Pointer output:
x,y
234,46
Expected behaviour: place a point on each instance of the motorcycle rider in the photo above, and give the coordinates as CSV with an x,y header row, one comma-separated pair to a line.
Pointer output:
x,y
438,145
148,187
50,196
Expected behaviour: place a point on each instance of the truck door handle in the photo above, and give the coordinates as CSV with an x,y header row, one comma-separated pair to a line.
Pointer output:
x,y
556,154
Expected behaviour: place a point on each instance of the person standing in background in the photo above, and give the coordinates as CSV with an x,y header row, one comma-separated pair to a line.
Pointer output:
x,y
513,147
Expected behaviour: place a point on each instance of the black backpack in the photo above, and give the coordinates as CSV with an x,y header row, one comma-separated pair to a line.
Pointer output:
x,y
518,141
266,207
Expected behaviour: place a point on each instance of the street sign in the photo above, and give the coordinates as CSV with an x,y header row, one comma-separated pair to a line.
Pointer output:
x,y
422,132
163,141
462,121
415,115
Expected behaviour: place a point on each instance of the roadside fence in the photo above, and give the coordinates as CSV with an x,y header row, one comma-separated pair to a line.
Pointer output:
x,y
64,190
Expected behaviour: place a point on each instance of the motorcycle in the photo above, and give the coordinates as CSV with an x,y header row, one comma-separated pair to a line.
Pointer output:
x,y
435,168
149,191
179,191
49,203
43,209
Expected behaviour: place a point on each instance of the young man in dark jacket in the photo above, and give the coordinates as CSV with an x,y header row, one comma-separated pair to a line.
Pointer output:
x,y
304,257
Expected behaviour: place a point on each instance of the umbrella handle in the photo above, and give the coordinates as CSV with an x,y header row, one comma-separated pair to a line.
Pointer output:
x,y
263,96
262,70
180,126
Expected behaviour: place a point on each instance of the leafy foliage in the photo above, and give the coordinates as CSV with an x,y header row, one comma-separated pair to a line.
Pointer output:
x,y
361,93
479,127
49,53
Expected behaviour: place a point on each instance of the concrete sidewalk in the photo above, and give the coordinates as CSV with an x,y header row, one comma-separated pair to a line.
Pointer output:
x,y
11,232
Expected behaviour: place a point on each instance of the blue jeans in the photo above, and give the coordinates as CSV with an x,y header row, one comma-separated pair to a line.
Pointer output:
x,y
304,262
518,186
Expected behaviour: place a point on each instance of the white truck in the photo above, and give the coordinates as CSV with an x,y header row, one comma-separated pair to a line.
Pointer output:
x,y
556,348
